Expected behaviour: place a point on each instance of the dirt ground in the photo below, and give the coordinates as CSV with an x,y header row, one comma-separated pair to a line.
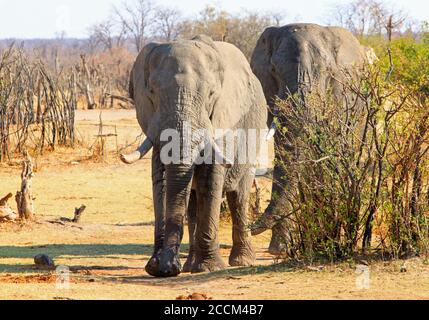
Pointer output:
x,y
107,252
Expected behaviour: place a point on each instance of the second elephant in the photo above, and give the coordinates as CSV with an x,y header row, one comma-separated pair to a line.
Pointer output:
x,y
293,60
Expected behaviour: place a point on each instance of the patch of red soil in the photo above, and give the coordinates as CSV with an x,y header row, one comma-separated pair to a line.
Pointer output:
x,y
195,296
28,279
37,278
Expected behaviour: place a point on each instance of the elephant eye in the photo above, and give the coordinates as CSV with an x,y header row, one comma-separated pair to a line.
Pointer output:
x,y
150,90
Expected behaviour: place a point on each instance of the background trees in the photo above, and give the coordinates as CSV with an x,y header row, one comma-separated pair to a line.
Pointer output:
x,y
243,30
368,17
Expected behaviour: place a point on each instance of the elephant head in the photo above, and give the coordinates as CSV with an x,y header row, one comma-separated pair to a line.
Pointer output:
x,y
176,84
296,58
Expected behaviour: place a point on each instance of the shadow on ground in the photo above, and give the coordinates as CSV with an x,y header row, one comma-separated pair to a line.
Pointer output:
x,y
112,251
77,251
230,274
87,250
31,269
80,251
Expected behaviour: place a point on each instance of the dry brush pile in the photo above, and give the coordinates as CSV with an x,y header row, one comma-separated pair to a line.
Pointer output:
x,y
37,107
358,170
103,79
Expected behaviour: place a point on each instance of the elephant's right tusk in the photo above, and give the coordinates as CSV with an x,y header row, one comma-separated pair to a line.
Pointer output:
x,y
138,154
272,132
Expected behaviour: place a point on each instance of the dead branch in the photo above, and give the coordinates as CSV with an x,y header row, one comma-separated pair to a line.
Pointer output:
x,y
4,200
78,214
120,98
257,209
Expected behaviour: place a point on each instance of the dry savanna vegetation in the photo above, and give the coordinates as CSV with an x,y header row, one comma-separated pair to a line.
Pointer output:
x,y
358,170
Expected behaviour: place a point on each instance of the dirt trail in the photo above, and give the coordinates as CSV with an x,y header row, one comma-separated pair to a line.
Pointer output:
x,y
107,254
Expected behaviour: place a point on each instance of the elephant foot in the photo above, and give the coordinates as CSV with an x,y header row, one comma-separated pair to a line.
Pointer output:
x,y
208,265
243,256
164,264
278,244
277,248
187,267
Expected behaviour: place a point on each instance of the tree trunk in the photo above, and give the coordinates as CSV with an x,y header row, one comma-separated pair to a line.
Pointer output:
x,y
87,85
24,198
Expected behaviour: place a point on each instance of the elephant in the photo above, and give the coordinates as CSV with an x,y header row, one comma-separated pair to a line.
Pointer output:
x,y
207,85
293,60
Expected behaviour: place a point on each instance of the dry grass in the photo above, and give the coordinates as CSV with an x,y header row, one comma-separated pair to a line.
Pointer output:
x,y
107,255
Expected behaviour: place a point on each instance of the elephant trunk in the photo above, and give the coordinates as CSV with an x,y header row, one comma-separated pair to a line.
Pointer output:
x,y
178,184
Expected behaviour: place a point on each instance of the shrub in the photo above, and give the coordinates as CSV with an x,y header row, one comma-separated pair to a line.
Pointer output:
x,y
357,168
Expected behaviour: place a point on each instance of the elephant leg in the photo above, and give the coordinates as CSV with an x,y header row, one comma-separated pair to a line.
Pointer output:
x,y
274,216
158,179
209,200
178,191
279,240
242,253
278,205
192,225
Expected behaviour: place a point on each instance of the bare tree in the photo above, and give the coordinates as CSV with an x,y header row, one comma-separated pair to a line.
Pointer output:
x,y
245,29
210,21
425,32
107,35
367,17
137,18
276,17
242,30
167,23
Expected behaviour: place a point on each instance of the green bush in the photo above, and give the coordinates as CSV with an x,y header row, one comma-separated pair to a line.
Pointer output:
x,y
409,57
358,172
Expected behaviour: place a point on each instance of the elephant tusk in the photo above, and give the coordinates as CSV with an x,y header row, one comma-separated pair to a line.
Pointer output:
x,y
138,154
272,132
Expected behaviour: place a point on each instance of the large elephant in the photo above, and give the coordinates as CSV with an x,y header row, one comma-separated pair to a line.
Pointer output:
x,y
208,85
295,59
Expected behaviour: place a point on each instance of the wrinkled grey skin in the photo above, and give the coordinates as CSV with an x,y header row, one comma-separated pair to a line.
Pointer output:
x,y
292,60
211,85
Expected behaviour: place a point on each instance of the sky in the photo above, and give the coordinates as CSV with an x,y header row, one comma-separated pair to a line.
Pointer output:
x,y
48,18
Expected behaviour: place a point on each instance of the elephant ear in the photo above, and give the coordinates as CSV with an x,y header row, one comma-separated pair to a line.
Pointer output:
x,y
139,77
217,63
241,102
261,62
140,70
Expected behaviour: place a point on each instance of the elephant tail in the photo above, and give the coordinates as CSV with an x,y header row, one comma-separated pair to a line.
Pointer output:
x,y
131,85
